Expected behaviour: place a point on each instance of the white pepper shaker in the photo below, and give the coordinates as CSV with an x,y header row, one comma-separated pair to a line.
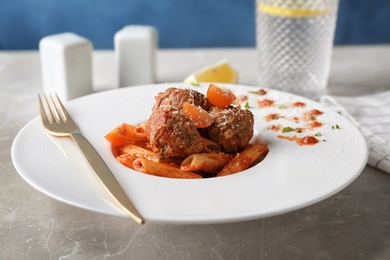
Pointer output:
x,y
135,54
66,62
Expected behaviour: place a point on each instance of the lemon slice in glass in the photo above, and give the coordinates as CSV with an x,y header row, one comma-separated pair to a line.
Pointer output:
x,y
293,9
220,72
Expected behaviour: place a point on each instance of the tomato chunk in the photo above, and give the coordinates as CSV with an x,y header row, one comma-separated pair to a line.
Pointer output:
x,y
197,115
220,97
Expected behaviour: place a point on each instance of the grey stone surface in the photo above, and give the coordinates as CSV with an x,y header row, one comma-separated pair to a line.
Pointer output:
x,y
353,224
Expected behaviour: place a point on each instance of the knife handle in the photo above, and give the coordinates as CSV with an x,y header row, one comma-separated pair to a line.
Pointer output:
x,y
106,178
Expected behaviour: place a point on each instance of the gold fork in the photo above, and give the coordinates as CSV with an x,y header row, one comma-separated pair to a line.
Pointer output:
x,y
57,122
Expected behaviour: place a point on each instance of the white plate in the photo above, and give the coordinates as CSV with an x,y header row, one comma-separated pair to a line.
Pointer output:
x,y
289,178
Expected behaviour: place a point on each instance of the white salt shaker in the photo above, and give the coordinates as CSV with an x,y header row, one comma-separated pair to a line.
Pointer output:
x,y
66,61
135,52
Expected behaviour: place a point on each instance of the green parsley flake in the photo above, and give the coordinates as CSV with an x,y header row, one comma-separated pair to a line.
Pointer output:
x,y
247,105
287,129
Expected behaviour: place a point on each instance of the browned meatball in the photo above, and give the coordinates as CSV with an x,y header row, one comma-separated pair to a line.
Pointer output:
x,y
172,135
232,128
173,99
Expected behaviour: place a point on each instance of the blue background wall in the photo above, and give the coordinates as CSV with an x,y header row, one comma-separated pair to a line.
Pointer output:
x,y
181,23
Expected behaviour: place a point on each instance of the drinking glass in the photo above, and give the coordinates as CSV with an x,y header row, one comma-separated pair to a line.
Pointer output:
x,y
294,43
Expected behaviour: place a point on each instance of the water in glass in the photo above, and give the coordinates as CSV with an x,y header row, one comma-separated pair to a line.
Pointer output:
x,y
294,43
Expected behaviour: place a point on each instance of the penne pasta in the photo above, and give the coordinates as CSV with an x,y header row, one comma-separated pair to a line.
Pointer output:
x,y
162,169
206,162
139,152
127,160
244,159
140,130
124,133
210,146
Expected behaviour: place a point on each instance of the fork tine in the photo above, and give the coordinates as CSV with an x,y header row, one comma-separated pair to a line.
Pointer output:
x,y
45,114
61,109
52,107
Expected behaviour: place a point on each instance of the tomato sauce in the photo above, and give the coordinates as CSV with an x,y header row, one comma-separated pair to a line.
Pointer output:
x,y
315,124
241,99
312,114
265,103
260,92
275,128
298,104
272,117
308,120
306,140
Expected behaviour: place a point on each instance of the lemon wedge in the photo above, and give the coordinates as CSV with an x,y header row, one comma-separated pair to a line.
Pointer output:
x,y
220,72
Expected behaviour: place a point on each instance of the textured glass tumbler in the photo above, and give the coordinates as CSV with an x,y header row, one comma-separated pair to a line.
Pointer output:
x,y
294,44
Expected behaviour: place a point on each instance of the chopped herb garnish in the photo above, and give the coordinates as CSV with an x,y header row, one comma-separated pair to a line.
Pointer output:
x,y
282,106
335,127
299,131
287,129
313,118
318,134
247,105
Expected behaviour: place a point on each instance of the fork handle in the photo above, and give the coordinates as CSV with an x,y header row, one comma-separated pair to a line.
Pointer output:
x,y
105,176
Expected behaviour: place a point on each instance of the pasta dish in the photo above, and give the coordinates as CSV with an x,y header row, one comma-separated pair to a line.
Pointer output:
x,y
190,135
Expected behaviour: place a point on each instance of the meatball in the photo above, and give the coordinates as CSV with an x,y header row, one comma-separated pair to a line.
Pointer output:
x,y
173,99
172,135
232,128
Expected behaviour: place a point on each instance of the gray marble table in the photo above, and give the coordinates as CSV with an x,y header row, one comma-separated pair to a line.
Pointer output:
x,y
353,224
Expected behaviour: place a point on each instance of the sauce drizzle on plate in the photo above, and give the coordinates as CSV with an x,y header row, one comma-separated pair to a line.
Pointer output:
x,y
306,140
